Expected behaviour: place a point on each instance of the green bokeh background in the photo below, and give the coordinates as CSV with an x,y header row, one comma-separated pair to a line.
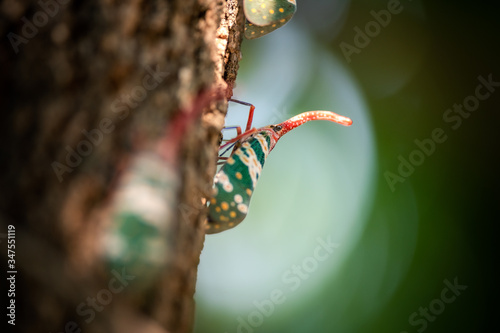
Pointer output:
x,y
396,247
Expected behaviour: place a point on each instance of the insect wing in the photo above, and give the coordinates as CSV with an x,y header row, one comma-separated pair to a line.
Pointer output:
x,y
266,12
253,31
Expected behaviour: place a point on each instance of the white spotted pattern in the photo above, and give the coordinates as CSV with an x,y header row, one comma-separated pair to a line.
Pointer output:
x,y
251,161
263,143
223,179
242,208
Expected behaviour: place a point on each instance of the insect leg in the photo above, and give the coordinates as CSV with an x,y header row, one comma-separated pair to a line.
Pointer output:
x,y
222,146
237,128
233,142
250,114
221,157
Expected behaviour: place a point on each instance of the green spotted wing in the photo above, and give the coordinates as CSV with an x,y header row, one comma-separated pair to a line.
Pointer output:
x,y
266,12
253,31
265,16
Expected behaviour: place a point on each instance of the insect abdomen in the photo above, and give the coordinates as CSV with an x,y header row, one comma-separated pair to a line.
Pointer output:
x,y
235,183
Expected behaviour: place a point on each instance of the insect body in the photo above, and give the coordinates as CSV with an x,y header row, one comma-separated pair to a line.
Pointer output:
x,y
265,16
236,180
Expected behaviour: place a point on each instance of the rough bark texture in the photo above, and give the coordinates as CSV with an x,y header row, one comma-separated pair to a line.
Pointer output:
x,y
71,68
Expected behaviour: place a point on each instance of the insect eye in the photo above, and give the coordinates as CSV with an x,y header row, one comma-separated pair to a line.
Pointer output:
x,y
277,128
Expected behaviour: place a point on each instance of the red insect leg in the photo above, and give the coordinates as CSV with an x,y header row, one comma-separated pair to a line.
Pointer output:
x,y
239,134
250,113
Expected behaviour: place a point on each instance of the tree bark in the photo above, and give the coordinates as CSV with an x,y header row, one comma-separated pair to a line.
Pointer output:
x,y
86,86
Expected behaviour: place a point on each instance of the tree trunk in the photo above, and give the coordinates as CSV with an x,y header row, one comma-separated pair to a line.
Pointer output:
x,y
86,88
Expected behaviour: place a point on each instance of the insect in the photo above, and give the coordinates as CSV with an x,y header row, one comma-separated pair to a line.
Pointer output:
x,y
236,180
265,16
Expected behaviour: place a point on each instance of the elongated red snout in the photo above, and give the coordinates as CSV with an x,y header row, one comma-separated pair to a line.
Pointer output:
x,y
304,117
